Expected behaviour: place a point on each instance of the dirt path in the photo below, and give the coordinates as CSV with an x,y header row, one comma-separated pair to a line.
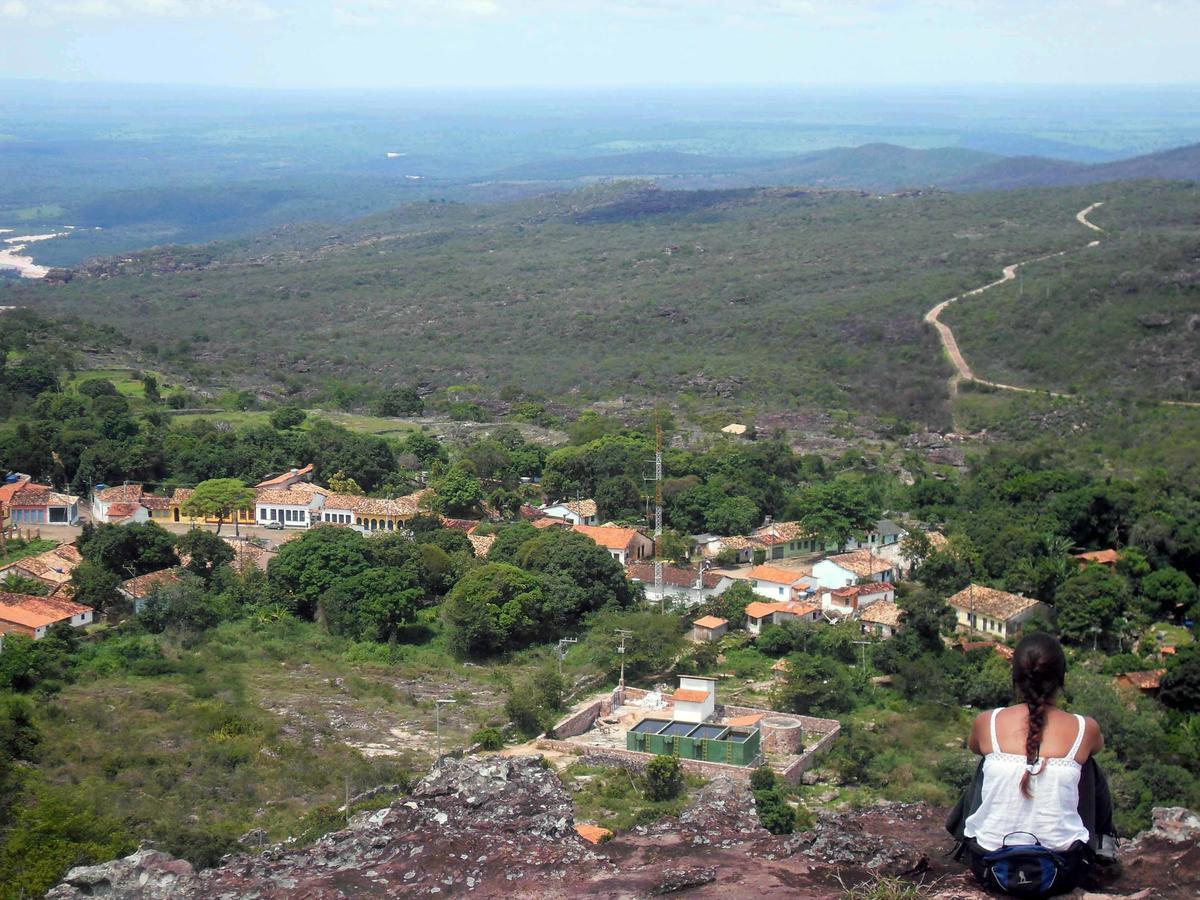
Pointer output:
x,y
962,371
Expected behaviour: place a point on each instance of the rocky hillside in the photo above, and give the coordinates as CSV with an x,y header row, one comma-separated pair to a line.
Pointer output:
x,y
496,827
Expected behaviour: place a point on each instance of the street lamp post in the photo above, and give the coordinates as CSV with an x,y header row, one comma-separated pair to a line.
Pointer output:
x,y
624,634
562,652
438,716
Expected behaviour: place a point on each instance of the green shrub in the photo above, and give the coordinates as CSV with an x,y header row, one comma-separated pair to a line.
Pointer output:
x,y
663,778
488,738
762,778
774,812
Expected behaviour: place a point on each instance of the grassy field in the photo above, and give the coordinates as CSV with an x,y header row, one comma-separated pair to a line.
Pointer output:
x,y
751,299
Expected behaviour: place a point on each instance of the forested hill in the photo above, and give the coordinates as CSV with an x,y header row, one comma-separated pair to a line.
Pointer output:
x,y
877,167
1180,164
767,299
764,299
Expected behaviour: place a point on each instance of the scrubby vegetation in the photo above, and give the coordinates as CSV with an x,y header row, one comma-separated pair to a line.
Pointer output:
x,y
483,301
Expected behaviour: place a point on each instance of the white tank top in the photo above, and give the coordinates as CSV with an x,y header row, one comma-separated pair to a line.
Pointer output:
x,y
1051,814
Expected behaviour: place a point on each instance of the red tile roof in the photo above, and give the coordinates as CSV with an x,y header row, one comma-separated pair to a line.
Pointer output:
x,y
777,574
991,602
711,622
862,563
51,606
712,578
122,493
36,612
7,491
685,696
144,585
675,576
885,612
550,522
758,610
1104,557
285,477
1143,681
607,536
122,510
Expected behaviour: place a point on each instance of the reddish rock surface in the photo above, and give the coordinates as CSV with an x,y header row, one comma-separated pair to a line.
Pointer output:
x,y
502,827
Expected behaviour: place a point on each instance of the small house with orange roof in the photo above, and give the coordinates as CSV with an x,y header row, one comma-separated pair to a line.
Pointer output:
x,y
1148,682
760,615
1107,558
35,616
709,628
52,568
881,619
852,568
625,545
779,583
695,699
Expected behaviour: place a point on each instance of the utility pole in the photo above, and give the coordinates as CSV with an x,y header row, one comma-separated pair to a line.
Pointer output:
x,y
658,515
562,652
621,650
438,706
864,652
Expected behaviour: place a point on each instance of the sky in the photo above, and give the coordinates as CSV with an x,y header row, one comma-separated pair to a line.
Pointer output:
x,y
398,44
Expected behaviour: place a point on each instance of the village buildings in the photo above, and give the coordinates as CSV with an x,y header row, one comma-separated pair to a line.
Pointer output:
x,y
881,619
992,612
852,568
760,615
625,545
576,512
35,616
24,503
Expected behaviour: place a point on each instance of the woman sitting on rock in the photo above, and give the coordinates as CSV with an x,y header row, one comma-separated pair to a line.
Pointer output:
x,y
1027,827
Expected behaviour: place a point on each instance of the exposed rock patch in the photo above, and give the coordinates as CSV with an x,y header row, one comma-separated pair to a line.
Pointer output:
x,y
503,827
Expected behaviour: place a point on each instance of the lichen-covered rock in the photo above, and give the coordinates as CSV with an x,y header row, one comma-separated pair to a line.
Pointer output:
x,y
145,875
502,827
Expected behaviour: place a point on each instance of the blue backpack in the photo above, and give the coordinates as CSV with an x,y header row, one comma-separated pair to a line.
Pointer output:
x,y
1025,870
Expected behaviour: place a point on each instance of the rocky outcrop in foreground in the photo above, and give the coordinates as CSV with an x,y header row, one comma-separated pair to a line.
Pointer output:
x,y
495,826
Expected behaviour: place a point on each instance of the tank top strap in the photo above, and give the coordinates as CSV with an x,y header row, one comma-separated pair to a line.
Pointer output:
x,y
992,728
1078,737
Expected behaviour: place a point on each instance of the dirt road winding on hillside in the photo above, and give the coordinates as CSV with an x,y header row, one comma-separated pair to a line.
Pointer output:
x,y
962,371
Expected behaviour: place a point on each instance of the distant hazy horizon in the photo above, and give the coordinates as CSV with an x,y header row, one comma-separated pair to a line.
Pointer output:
x,y
600,43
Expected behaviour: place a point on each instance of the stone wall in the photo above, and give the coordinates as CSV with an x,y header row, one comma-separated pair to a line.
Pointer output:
x,y
582,720
636,762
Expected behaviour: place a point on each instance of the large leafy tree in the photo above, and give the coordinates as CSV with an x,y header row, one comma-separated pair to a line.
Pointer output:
x,y
492,609
458,492
618,498
1089,605
1167,592
129,550
1181,683
219,498
374,604
814,685
559,551
205,551
836,510
307,568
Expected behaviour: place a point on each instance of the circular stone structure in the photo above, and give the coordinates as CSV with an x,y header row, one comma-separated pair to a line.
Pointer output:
x,y
782,734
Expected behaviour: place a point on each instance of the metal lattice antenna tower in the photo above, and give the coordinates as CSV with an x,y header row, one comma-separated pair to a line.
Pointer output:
x,y
658,513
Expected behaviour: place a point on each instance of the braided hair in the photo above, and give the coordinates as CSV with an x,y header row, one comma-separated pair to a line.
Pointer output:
x,y
1039,670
